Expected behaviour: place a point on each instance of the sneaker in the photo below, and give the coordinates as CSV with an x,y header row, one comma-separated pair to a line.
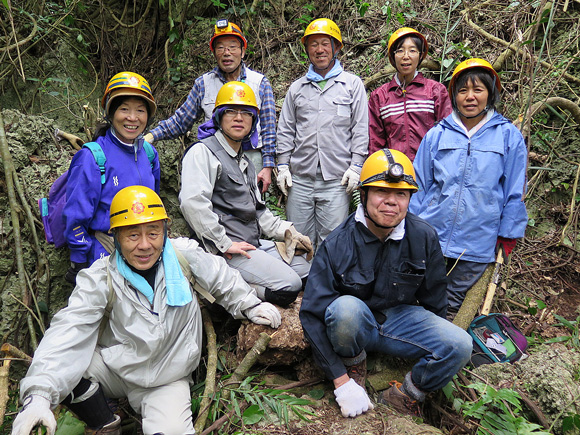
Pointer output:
x,y
398,400
358,372
113,428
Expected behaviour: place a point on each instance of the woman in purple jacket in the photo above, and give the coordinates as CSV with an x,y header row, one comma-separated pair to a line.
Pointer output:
x,y
129,107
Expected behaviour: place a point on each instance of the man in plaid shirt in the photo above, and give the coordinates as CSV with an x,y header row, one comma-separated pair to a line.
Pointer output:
x,y
228,45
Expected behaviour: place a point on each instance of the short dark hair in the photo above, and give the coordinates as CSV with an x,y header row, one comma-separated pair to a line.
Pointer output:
x,y
485,77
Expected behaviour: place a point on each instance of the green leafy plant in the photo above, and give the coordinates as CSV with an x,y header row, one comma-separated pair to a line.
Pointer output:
x,y
574,328
571,423
253,403
535,305
362,7
306,17
498,411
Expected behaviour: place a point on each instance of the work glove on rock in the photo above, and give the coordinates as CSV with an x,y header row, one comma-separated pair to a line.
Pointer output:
x,y
294,243
284,178
351,178
264,314
352,399
507,244
35,411
71,273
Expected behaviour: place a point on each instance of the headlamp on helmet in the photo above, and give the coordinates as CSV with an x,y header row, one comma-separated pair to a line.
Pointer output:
x,y
388,168
221,23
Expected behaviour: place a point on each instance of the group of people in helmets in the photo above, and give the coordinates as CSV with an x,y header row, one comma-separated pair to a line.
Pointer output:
x,y
441,177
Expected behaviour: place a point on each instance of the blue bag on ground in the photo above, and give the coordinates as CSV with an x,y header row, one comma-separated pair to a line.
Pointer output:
x,y
496,339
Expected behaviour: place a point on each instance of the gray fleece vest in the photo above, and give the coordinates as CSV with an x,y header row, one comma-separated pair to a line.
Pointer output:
x,y
234,200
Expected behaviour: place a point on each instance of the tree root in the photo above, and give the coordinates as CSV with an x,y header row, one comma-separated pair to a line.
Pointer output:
x,y
15,209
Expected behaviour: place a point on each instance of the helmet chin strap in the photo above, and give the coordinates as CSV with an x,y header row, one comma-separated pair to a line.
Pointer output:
x,y
366,213
229,137
485,110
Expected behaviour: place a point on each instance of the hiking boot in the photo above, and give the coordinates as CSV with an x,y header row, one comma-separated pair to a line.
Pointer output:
x,y
358,372
113,428
399,401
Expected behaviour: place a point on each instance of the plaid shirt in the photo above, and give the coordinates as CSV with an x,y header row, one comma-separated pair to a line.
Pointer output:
x,y
184,117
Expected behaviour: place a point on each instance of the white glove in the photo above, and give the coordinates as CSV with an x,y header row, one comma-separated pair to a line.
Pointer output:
x,y
264,314
351,178
353,399
284,178
36,411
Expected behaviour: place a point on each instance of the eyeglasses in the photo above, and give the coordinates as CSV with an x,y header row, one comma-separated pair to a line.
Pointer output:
x,y
411,52
233,113
233,49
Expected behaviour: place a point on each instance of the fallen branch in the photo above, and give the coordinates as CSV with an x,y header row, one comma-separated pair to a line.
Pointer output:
x,y
4,383
534,408
510,46
473,299
209,390
10,351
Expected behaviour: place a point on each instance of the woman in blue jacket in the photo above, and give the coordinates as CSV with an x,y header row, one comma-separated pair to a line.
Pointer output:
x,y
128,107
471,172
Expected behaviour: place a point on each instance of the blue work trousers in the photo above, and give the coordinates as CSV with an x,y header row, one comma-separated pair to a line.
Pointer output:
x,y
408,332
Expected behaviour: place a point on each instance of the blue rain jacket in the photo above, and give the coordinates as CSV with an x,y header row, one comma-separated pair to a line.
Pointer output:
x,y
88,201
471,189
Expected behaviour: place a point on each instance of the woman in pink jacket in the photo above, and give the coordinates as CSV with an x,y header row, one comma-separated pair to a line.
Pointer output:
x,y
403,110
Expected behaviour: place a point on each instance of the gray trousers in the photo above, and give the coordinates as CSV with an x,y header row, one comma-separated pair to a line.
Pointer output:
x,y
165,409
460,279
316,207
266,269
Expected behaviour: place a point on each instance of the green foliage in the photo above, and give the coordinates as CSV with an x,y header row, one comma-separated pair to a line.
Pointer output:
x,y
263,403
534,306
67,424
272,204
498,411
306,16
571,423
574,328
362,7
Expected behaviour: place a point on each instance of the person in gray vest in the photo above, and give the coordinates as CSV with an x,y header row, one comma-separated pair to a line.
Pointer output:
x,y
220,200
228,46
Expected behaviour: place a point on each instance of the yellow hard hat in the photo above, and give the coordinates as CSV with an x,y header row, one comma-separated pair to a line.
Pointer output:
x,y
225,28
403,32
236,94
323,26
388,168
128,84
473,63
135,205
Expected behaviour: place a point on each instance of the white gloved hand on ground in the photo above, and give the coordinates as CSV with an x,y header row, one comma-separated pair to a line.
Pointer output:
x,y
35,411
264,314
284,178
350,179
352,399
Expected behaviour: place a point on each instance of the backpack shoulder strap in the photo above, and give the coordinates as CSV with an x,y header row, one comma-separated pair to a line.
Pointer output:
x,y
187,272
99,156
150,153
110,300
